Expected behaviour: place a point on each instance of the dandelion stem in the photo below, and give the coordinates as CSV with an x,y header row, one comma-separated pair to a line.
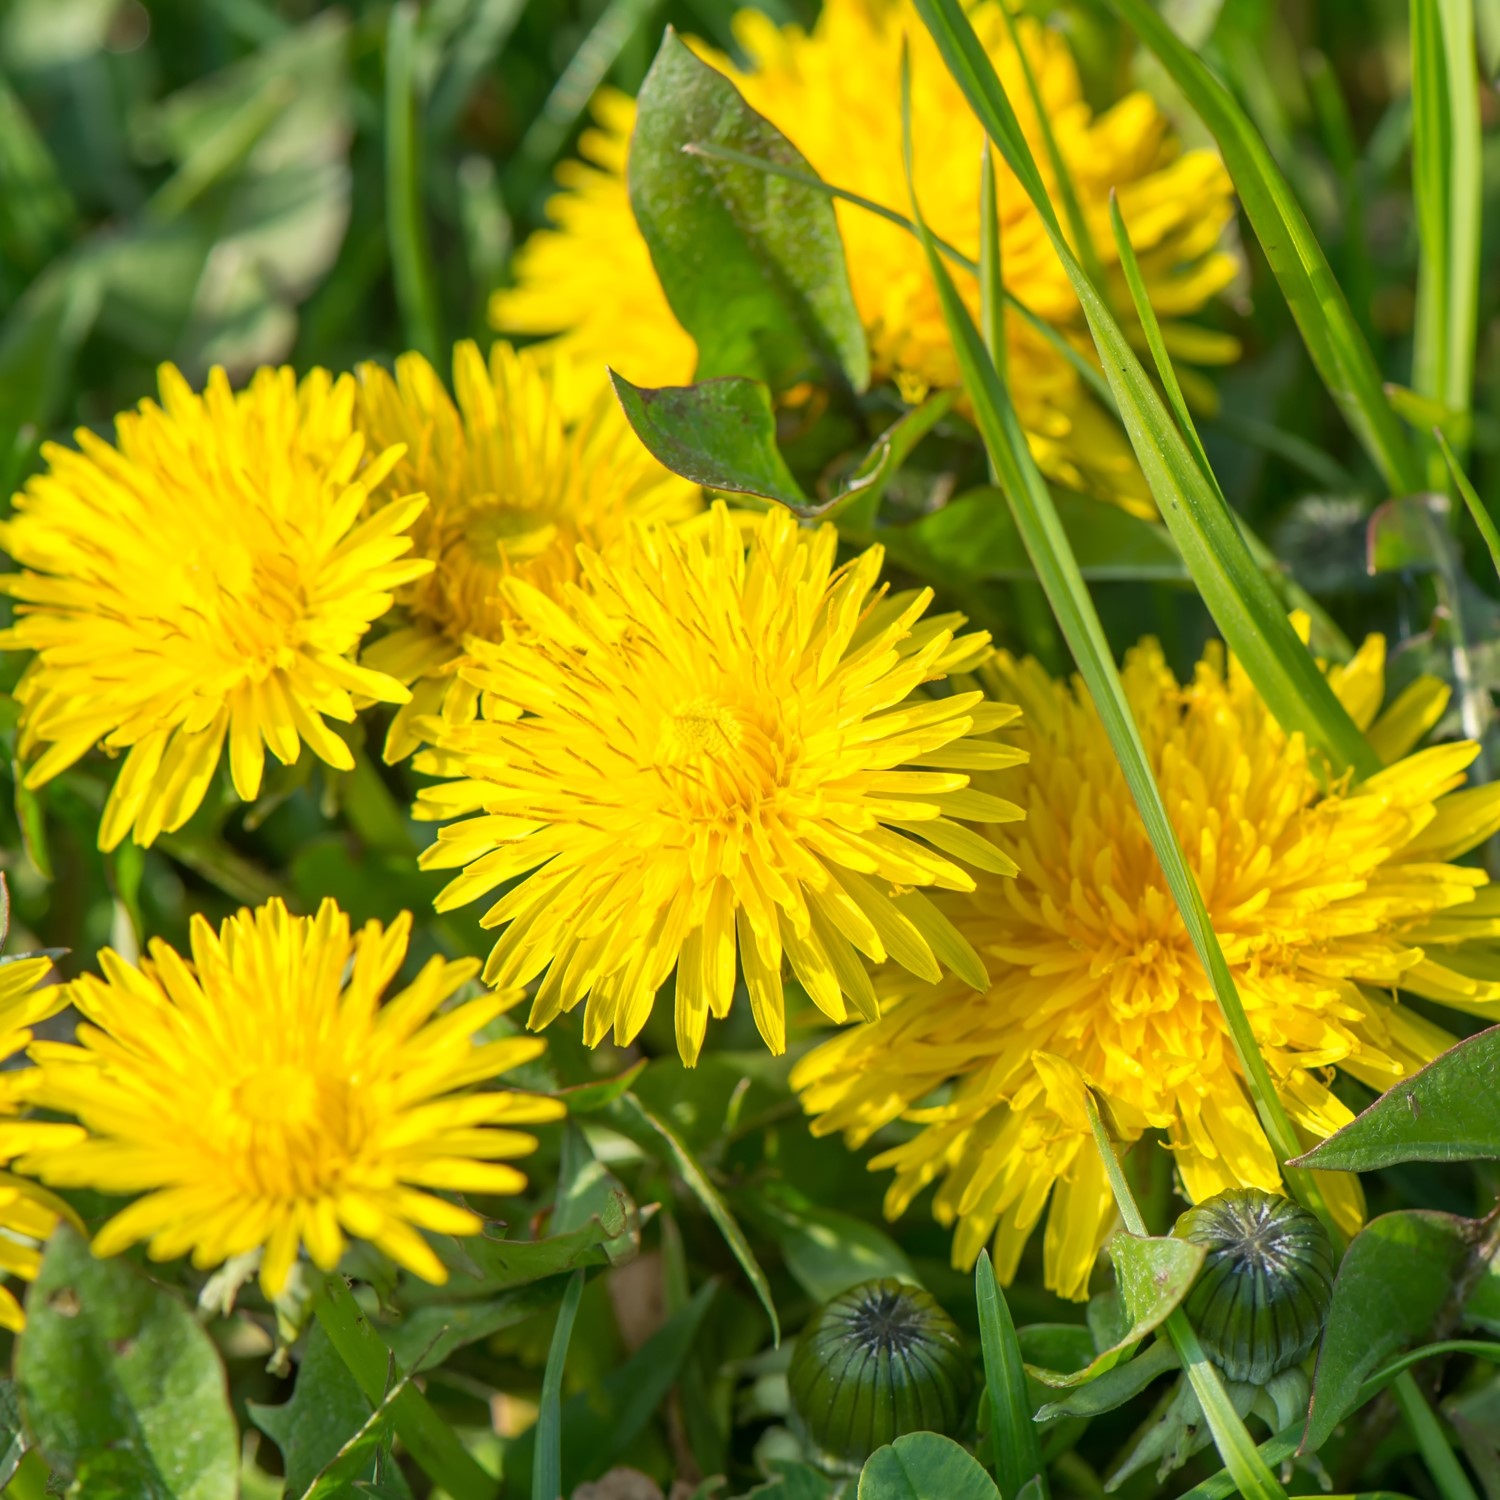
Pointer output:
x,y
431,1441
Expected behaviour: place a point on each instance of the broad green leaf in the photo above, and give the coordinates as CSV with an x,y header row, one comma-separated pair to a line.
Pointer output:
x,y
326,1409
826,1251
1013,1436
589,1098
1235,589
974,538
599,1425
631,1118
1448,1111
793,1481
14,1440
1154,1274
119,1384
428,1334
1114,1386
752,264
1394,1280
353,1469
719,433
924,1466
1333,338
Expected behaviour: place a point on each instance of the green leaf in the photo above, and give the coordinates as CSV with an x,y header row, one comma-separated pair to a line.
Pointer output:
x,y
973,538
924,1466
631,1118
14,1441
1113,1387
1481,517
589,1098
719,433
1394,1280
752,264
1333,337
599,1425
428,1334
1013,1436
326,1409
826,1251
1154,1274
1447,1111
119,1384
793,1481
354,1468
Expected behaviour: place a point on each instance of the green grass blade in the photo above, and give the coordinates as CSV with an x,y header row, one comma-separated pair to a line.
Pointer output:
x,y
1446,1471
1333,338
1446,186
1236,1447
1482,518
1233,586
546,1463
1154,341
991,281
1052,556
416,293
1013,1435
1062,176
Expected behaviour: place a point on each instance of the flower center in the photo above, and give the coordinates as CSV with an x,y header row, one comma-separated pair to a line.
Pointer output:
x,y
291,1130
719,758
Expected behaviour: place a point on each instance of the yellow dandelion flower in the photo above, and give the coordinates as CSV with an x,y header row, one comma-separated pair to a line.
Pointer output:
x,y
513,488
263,1097
208,575
28,1212
831,90
1326,900
720,747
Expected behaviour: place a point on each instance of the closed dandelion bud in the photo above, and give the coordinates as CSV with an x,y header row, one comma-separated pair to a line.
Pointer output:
x,y
1264,1292
880,1360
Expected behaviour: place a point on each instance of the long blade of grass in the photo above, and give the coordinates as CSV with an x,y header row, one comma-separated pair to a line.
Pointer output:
x,y
1446,185
1013,1435
1052,556
1236,1447
1333,338
1482,518
1234,588
546,1463
1446,1471
416,293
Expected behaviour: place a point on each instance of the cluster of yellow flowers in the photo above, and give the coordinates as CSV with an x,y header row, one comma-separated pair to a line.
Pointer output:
x,y
685,749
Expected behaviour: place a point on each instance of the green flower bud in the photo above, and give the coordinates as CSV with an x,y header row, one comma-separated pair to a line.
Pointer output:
x,y
1264,1292
880,1360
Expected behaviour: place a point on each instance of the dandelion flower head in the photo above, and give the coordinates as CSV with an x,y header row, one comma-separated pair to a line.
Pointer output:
x,y
832,91
262,1097
515,482
205,577
1326,899
721,756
